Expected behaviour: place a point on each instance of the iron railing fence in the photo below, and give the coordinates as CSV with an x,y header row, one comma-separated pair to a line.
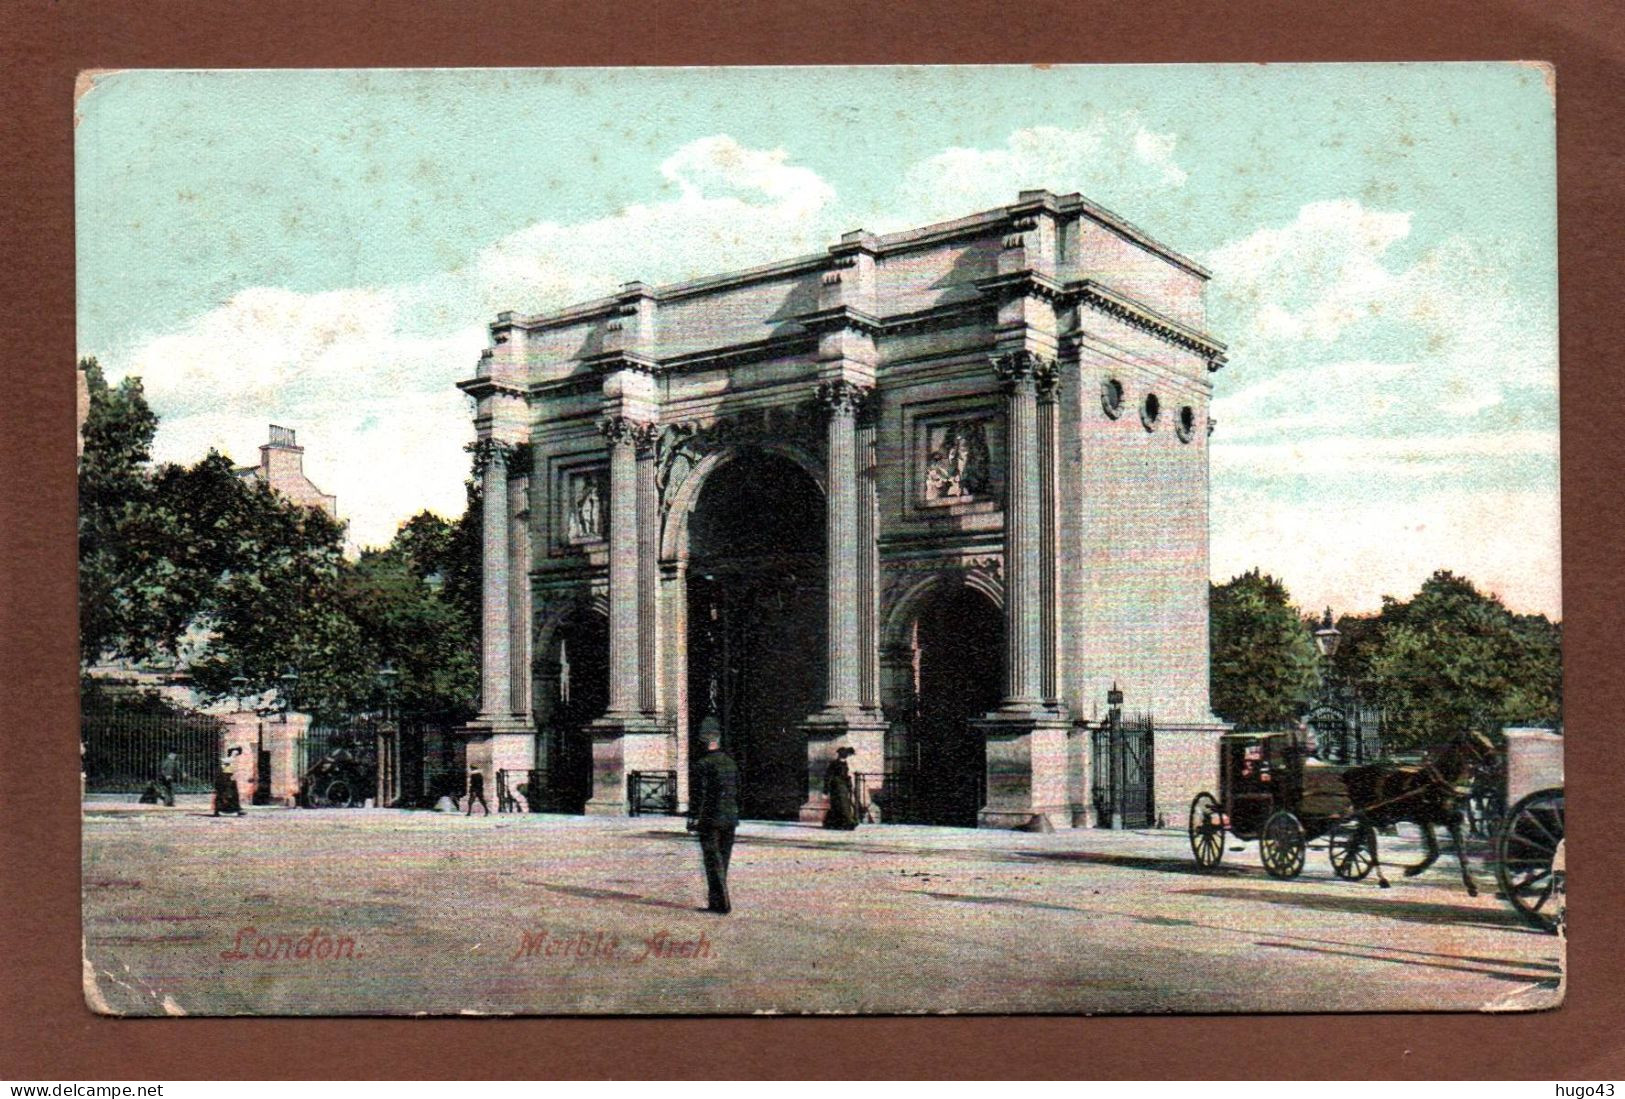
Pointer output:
x,y
651,792
123,750
1122,772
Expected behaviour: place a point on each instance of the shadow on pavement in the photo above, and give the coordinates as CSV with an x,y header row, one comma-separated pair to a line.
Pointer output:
x,y
1161,864
610,895
1350,900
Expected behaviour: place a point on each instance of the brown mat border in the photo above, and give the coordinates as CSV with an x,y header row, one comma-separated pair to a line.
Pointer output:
x,y
45,1030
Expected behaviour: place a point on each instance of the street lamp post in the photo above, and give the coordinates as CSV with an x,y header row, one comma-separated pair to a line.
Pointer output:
x,y
1335,694
389,741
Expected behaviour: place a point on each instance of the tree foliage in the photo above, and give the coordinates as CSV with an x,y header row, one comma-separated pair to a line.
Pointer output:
x,y
1452,658
1263,669
200,564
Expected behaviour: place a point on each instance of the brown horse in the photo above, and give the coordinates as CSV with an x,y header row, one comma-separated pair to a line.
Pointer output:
x,y
1431,793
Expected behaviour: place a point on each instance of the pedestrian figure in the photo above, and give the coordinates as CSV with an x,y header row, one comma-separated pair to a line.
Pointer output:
x,y
226,798
843,800
476,792
714,813
169,773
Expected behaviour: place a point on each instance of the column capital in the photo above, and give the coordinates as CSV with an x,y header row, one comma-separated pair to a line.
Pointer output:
x,y
489,452
842,397
625,431
1025,369
1047,379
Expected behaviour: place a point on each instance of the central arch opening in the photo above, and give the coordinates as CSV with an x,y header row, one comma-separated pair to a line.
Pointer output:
x,y
756,622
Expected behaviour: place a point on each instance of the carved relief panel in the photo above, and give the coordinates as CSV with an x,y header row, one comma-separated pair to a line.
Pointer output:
x,y
581,504
955,456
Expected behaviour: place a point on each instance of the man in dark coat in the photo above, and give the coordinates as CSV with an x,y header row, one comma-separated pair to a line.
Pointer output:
x,y
714,813
169,773
476,792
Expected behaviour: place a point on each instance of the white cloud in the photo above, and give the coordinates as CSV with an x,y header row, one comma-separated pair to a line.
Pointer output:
x,y
1113,159
1329,332
366,376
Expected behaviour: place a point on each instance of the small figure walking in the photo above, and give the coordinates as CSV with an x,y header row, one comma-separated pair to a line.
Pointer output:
x,y
169,773
843,802
476,792
714,813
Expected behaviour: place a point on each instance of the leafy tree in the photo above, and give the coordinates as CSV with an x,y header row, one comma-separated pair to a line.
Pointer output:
x,y
409,624
115,500
198,563
1452,658
1263,670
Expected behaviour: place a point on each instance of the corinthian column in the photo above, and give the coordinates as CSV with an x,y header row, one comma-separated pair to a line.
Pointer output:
x,y
624,691
1047,379
495,703
1023,533
841,400
519,594
643,438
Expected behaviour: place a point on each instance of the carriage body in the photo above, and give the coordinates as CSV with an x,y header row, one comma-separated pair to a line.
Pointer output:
x,y
1272,790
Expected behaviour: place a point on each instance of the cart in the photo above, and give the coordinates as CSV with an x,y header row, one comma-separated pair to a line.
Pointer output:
x,y
1273,791
1529,857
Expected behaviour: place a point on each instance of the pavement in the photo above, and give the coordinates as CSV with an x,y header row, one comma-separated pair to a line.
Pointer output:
x,y
331,912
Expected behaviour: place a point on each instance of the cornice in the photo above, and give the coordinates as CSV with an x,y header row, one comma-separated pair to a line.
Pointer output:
x,y
1105,300
609,362
479,388
838,318
1029,284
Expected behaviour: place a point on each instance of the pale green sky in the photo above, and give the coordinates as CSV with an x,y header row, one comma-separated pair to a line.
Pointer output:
x,y
322,249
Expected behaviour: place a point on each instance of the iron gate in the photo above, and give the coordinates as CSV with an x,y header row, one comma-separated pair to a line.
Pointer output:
x,y
1123,774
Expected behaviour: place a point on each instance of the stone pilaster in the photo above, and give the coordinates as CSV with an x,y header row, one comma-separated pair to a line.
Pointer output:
x,y
844,718
1047,380
1025,739
1023,533
841,401
629,736
868,559
495,656
519,671
625,693
648,500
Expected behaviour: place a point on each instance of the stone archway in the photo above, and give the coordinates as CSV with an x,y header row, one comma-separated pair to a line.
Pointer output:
x,y
754,553
572,681
945,662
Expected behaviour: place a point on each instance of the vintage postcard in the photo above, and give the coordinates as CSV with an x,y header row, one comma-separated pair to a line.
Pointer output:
x,y
866,540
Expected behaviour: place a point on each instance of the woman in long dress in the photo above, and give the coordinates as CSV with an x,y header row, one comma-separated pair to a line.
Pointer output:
x,y
843,802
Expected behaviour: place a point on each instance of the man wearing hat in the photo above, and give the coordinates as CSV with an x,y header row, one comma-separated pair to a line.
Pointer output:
x,y
714,812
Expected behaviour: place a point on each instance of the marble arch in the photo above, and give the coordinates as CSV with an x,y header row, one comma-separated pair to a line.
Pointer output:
x,y
942,387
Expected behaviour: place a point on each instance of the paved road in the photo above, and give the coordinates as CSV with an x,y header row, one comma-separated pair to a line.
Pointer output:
x,y
360,911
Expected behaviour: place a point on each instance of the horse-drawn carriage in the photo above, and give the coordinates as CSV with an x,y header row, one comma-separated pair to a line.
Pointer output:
x,y
1272,790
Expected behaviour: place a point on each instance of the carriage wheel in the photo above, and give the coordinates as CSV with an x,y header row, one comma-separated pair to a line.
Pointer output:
x,y
1206,830
1352,847
339,794
1525,850
1281,845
